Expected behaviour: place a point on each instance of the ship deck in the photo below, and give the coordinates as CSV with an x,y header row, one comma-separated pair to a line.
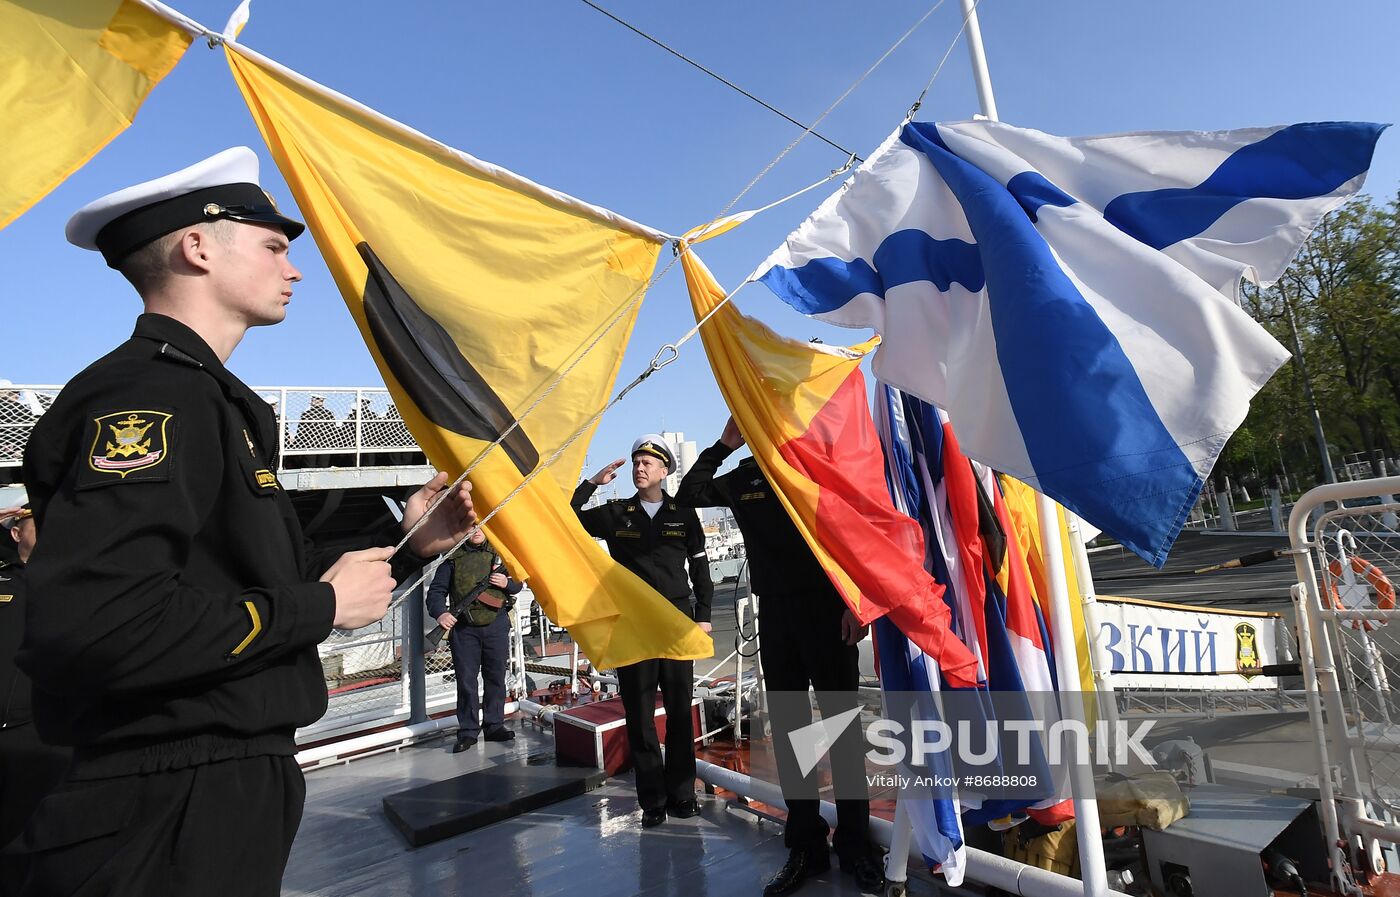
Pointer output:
x,y
591,844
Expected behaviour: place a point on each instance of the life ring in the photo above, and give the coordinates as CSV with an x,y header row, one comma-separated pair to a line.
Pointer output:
x,y
1359,566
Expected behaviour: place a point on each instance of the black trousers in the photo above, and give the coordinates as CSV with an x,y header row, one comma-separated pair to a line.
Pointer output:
x,y
800,645
29,769
482,650
673,781
216,830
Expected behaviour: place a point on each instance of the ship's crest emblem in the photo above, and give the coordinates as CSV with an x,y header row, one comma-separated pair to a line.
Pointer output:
x,y
1247,650
128,441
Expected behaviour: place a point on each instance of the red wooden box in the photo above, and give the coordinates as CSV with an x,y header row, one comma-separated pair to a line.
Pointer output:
x,y
595,734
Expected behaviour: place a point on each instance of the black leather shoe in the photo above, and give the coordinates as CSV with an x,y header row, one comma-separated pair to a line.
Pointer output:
x,y
500,734
463,743
683,810
653,818
801,863
868,870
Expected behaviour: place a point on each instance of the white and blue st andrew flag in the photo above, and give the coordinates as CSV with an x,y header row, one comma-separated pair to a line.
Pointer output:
x,y
1071,302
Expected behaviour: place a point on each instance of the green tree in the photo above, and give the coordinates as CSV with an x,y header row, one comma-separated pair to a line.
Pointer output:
x,y
1343,294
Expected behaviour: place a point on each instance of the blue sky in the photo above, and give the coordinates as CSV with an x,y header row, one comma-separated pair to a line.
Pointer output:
x,y
557,92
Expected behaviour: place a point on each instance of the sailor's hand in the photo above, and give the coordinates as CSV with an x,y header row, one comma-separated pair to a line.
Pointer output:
x,y
449,522
607,474
705,627
7,513
363,587
498,580
851,630
446,621
731,437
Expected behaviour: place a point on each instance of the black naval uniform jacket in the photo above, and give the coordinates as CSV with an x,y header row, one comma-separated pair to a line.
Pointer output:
x,y
780,561
14,685
176,611
655,548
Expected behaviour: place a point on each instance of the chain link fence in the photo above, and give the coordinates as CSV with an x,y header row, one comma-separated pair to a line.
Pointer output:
x,y
20,408
1346,546
340,427
316,426
1358,556
365,673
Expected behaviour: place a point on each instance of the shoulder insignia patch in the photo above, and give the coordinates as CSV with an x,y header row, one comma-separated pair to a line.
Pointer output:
x,y
129,446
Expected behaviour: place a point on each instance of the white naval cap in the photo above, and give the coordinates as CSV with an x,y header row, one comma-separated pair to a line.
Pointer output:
x,y
225,185
655,445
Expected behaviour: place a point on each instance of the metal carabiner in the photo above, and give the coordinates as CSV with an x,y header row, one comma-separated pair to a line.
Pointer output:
x,y
657,362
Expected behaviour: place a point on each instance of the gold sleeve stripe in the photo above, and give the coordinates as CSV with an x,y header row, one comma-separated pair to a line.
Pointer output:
x,y
257,628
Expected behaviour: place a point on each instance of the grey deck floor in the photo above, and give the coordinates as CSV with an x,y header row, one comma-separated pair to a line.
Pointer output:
x,y
589,845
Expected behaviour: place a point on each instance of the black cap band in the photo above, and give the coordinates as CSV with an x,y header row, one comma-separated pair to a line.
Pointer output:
x,y
234,202
656,451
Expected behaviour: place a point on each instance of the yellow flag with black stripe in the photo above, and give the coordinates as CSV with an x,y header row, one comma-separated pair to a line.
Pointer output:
x,y
481,296
72,75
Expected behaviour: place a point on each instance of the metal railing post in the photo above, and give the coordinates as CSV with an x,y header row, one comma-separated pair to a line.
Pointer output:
x,y
359,428
1225,506
282,428
413,662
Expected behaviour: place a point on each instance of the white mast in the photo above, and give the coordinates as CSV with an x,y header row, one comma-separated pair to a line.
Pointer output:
x,y
978,57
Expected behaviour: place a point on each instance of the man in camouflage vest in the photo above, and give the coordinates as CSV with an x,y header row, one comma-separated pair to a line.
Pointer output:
x,y
473,582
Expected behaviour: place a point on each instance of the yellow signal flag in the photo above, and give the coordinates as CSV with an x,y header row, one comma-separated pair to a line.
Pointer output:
x,y
481,296
73,73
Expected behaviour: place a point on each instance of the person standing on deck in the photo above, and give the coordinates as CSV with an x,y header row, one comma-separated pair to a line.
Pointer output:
x,y
807,637
655,538
29,768
478,634
175,603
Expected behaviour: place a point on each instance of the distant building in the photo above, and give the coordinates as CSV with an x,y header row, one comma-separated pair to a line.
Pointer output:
x,y
685,457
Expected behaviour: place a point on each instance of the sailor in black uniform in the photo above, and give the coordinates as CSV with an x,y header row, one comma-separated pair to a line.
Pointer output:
x,y
29,768
807,638
656,539
175,604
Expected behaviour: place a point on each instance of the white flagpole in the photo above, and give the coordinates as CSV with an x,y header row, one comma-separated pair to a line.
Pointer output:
x,y
1092,868
979,60
1086,805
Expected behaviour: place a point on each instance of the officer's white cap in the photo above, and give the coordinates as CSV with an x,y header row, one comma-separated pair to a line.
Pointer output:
x,y
655,445
225,185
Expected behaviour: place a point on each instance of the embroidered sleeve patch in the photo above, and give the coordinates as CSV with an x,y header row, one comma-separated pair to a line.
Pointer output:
x,y
128,446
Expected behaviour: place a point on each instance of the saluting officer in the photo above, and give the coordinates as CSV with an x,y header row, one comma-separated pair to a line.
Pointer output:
x,y
808,637
656,539
176,604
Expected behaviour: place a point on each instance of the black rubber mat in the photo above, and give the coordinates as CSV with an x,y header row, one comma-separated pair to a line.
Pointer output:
x,y
443,809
